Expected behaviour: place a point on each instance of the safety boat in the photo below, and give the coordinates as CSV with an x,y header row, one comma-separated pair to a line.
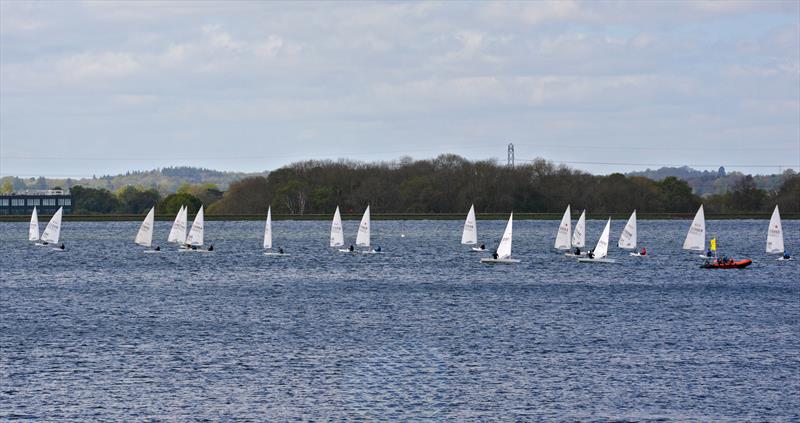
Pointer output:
x,y
726,264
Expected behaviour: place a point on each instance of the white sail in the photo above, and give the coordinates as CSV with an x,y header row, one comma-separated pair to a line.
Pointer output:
x,y
696,237
470,234
178,231
362,239
601,250
627,239
53,230
195,236
337,231
579,236
504,249
268,230
563,241
775,233
145,235
33,228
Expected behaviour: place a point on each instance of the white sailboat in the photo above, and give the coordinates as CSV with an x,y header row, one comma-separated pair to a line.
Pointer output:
x,y
503,253
579,235
696,237
33,227
145,235
195,237
52,232
364,232
627,239
268,237
775,235
600,251
563,237
470,234
337,232
178,232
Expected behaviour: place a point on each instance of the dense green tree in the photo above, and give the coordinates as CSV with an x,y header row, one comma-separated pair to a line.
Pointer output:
x,y
173,202
135,201
93,201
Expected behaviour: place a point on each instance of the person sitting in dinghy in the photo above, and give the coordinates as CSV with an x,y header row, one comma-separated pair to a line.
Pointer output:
x,y
786,255
495,255
577,251
378,249
709,253
62,246
351,248
590,254
644,251
280,250
483,246
158,248
211,247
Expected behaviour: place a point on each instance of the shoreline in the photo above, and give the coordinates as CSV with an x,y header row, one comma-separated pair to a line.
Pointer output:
x,y
407,216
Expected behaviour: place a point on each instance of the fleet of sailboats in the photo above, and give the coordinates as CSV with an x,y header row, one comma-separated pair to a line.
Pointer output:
x,y
565,238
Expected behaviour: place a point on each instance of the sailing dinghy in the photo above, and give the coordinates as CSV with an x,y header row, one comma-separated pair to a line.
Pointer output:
x,y
470,234
627,239
696,237
178,232
194,241
268,237
145,235
52,232
600,252
33,228
563,241
578,236
775,236
364,232
337,232
503,253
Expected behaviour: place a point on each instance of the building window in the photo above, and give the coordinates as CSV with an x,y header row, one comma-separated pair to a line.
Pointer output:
x,y
4,202
33,201
17,202
67,201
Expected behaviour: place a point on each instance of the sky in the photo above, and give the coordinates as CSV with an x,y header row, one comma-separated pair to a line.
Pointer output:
x,y
102,87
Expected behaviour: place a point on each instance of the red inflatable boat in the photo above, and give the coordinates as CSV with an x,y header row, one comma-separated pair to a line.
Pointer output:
x,y
729,264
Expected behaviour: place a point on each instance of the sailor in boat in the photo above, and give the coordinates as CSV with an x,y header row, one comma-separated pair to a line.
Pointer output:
x,y
494,255
280,250
211,247
577,251
378,249
483,246
590,254
786,255
351,247
194,247
644,251
709,253
158,248
61,246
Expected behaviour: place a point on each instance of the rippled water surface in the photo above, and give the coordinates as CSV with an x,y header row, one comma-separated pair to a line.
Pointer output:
x,y
423,331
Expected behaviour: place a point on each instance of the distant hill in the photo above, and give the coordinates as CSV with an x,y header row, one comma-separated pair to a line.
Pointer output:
x,y
704,182
165,180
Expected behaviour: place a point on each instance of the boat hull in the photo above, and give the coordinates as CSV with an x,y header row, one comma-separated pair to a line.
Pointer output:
x,y
596,260
499,261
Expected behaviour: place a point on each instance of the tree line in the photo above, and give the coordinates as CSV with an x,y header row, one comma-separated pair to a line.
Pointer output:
x,y
446,184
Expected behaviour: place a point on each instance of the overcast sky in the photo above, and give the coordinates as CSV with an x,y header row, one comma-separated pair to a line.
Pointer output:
x,y
104,87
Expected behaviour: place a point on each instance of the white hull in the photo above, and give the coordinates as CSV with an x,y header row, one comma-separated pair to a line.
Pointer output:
x,y
372,252
275,254
59,249
599,260
479,250
575,255
42,245
784,259
639,255
499,261
704,256
345,250
151,251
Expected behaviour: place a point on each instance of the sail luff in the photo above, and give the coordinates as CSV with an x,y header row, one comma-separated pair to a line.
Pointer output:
x,y
145,235
696,237
470,234
337,231
627,238
775,233
33,227
563,241
175,231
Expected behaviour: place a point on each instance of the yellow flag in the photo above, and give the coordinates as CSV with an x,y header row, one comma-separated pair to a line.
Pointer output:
x,y
713,244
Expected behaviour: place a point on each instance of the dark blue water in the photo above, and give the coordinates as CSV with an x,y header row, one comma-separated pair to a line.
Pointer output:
x,y
104,332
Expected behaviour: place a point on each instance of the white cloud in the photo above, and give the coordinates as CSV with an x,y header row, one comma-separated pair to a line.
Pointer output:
x,y
99,65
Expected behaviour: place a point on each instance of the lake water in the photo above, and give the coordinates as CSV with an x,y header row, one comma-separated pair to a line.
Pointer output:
x,y
421,332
